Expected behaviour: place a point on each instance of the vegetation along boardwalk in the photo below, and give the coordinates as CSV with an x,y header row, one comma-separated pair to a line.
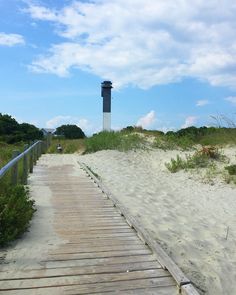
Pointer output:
x,y
81,242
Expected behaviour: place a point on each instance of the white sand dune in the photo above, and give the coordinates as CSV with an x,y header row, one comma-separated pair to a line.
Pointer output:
x,y
187,217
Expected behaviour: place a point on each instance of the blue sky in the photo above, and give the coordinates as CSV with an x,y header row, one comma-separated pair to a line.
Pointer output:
x,y
172,63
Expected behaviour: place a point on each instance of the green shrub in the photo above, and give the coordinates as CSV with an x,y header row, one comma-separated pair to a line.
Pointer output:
x,y
176,165
16,211
231,169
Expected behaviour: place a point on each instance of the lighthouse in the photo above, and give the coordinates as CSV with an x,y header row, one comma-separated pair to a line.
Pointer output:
x,y
106,94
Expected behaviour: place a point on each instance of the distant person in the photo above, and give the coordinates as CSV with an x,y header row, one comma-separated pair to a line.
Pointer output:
x,y
59,148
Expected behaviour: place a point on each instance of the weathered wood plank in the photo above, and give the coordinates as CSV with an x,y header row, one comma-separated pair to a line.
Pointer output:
x,y
162,284
99,261
82,279
77,256
76,270
124,286
188,290
97,248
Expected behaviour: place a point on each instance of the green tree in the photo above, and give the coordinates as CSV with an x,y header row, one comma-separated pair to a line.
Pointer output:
x,y
70,131
11,131
30,132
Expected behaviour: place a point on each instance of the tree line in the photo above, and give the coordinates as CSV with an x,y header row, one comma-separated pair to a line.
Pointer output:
x,y
12,132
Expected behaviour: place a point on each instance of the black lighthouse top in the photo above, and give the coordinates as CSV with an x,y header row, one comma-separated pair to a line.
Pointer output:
x,y
106,94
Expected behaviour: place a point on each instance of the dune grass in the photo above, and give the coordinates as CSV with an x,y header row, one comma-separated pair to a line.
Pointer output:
x,y
69,146
188,138
6,151
120,140
203,158
136,138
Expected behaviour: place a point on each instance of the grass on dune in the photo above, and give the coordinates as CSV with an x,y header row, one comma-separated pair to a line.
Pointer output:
x,y
120,140
136,138
6,151
188,138
69,146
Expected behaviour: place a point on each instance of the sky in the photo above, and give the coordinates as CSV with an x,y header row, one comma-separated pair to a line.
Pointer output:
x,y
172,63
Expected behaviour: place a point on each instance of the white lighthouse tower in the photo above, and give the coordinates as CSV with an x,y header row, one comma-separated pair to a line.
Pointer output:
x,y
106,94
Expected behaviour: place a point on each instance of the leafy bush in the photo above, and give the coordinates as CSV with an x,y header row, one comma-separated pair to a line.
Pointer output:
x,y
122,141
16,211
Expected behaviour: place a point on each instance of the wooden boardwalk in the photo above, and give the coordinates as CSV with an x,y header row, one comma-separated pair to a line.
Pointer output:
x,y
99,252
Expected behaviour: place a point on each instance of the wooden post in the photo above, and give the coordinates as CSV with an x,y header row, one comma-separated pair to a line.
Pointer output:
x,y
31,161
50,139
40,149
35,155
14,171
25,166
43,147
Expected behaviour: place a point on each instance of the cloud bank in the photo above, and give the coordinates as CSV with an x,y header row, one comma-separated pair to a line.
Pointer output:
x,y
11,39
143,42
147,121
59,120
201,103
189,121
231,99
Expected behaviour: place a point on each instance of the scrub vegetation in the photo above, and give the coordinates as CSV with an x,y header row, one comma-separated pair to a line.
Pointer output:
x,y
16,211
16,207
206,157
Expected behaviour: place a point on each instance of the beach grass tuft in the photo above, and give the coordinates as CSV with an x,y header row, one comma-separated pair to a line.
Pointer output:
x,y
203,158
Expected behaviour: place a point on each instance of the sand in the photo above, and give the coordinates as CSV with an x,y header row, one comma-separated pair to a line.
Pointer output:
x,y
188,213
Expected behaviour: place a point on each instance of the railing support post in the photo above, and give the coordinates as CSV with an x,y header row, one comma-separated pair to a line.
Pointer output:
x,y
31,161
34,155
25,166
14,172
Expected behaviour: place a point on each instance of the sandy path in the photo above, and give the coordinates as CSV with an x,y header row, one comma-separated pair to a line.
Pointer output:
x,y
189,218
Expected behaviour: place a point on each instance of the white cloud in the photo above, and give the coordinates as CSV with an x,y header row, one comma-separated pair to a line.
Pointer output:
x,y
231,99
144,43
189,121
147,121
11,39
201,103
57,121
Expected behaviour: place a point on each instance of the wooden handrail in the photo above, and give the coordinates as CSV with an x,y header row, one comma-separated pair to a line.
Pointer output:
x,y
35,150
